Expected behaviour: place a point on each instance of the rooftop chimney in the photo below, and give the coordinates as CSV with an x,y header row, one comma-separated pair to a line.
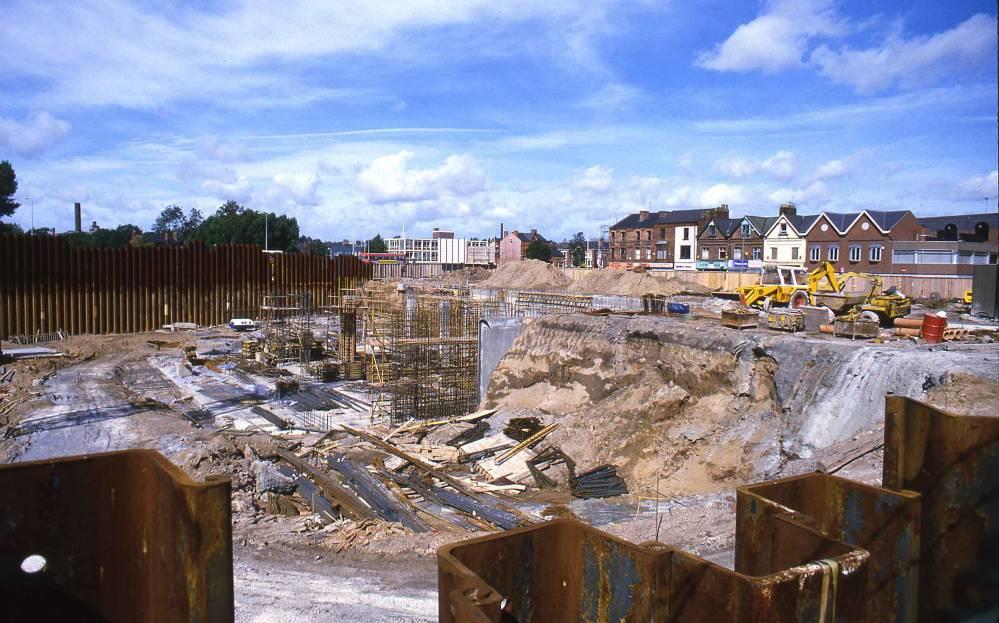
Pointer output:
x,y
721,211
788,209
534,232
77,218
643,215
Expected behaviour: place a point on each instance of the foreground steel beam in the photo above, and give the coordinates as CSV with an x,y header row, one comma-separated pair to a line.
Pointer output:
x,y
814,548
125,536
953,462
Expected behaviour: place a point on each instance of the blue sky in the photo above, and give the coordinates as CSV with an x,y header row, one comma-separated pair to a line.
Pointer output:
x,y
363,117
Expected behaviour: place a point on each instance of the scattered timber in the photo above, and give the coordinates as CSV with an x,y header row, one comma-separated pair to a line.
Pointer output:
x,y
308,490
426,467
372,491
601,482
477,508
270,417
350,504
533,439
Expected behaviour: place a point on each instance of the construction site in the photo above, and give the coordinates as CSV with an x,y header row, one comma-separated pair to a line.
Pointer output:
x,y
229,434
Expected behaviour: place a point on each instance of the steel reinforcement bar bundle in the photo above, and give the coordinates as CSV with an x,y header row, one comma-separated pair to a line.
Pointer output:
x,y
46,285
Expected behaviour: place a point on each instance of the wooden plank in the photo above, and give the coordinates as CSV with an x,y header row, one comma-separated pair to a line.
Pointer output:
x,y
270,417
350,504
536,437
387,447
473,507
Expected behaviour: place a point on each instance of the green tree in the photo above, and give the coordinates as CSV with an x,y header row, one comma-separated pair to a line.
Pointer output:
x,y
539,250
172,224
313,246
377,245
234,224
170,220
578,247
10,228
116,238
8,188
229,208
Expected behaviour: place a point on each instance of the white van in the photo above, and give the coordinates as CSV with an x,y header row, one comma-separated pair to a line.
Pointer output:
x,y
242,324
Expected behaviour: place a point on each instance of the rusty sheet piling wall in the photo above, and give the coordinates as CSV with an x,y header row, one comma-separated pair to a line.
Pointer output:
x,y
47,285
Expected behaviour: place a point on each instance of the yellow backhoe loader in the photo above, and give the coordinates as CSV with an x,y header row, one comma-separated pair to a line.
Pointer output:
x,y
845,294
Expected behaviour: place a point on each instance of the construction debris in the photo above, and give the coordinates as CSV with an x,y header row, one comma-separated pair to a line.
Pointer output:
x,y
602,482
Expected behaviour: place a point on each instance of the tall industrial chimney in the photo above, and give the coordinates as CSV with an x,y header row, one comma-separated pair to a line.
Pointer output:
x,y
78,218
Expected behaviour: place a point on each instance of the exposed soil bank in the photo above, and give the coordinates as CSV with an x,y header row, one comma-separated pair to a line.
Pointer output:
x,y
704,407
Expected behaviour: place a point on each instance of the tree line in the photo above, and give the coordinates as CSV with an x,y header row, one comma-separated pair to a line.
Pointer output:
x,y
231,223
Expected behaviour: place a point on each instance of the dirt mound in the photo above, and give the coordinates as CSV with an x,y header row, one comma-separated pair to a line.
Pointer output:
x,y
527,274
532,274
703,419
628,283
472,274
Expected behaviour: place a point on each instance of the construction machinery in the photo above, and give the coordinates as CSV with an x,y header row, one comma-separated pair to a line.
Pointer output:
x,y
848,294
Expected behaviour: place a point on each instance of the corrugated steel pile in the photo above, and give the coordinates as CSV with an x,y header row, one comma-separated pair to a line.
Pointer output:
x,y
922,547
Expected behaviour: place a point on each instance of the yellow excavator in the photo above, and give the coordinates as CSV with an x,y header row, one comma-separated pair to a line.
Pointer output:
x,y
845,294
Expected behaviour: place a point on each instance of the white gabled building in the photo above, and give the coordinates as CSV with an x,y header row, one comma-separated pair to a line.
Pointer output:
x,y
784,241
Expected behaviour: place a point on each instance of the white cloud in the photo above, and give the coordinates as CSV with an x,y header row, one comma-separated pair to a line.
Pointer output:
x,y
933,99
979,187
611,96
121,52
299,188
777,39
389,179
32,136
814,193
831,169
596,179
737,167
780,166
906,63
722,193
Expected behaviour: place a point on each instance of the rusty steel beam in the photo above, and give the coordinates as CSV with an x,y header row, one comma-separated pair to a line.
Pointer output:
x,y
125,536
51,286
953,461
808,548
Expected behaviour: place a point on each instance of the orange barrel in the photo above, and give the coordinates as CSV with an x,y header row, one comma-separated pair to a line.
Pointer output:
x,y
933,328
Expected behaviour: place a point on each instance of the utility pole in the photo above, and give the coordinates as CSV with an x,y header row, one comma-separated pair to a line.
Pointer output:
x,y
266,234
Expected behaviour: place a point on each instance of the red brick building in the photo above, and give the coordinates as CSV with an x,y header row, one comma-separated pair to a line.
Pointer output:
x,y
861,241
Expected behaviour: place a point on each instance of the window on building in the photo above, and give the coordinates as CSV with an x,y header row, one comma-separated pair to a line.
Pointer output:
x,y
705,253
638,255
648,235
833,253
773,253
745,230
794,253
874,252
814,253
973,257
712,231
757,253
903,256
685,252
686,233
662,234
934,256
783,229
737,253
723,253
854,252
